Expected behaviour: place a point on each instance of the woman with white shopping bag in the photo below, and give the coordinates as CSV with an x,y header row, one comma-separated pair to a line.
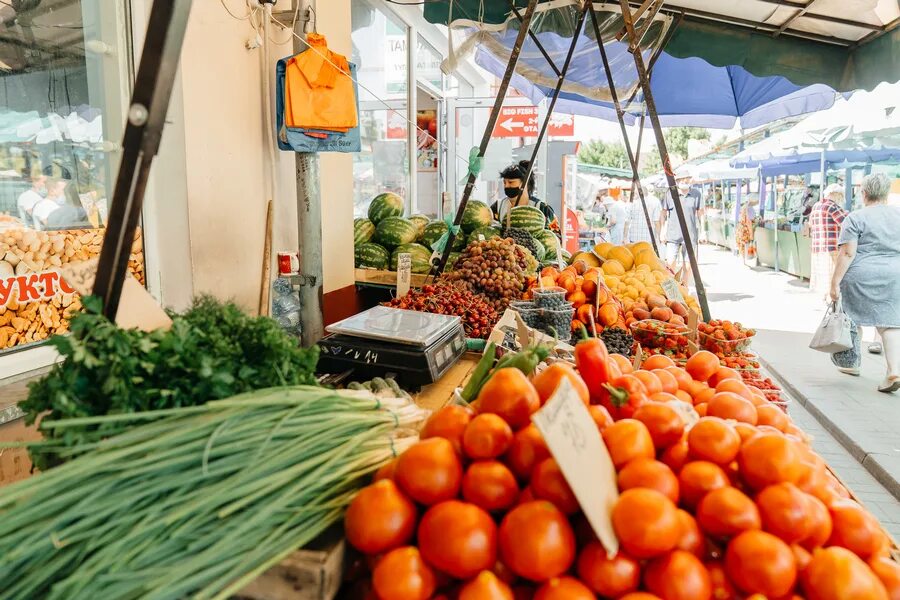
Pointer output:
x,y
867,278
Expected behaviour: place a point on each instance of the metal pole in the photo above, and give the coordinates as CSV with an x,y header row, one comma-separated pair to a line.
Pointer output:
x,y
489,128
664,155
632,159
559,83
143,132
309,231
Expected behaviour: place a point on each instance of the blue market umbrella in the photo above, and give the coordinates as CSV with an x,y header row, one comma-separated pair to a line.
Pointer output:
x,y
688,91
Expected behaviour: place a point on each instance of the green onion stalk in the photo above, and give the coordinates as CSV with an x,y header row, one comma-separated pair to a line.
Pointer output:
x,y
196,501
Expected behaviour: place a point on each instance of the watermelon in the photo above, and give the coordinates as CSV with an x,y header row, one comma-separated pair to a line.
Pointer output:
x,y
363,230
420,257
434,231
420,221
370,255
385,205
540,251
477,214
549,240
529,218
487,232
394,231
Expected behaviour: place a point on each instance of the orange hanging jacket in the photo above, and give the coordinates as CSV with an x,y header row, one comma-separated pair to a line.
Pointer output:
x,y
318,91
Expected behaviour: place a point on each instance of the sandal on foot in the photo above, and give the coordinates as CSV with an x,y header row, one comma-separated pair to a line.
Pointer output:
x,y
849,370
875,348
889,385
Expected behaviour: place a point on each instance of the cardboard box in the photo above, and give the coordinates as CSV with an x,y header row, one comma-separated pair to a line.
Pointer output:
x,y
14,462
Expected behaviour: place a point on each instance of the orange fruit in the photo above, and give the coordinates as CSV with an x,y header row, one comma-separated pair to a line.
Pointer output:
x,y
820,523
692,539
784,510
728,405
854,528
721,374
735,385
676,455
563,588
771,415
888,571
838,574
664,423
627,440
769,458
678,575
702,365
657,361
681,376
608,577
666,379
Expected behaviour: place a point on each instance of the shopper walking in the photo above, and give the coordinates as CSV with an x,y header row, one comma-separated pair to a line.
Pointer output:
x,y
675,243
866,278
636,228
824,230
520,192
616,218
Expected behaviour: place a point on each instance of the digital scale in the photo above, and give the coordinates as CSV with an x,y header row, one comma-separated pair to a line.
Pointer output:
x,y
415,348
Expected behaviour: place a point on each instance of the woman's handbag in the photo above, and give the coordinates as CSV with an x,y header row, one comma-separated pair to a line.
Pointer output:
x,y
833,334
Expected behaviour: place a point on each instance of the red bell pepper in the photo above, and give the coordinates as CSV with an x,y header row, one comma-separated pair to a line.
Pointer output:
x,y
626,394
592,360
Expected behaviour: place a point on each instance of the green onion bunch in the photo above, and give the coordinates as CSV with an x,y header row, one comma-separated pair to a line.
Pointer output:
x,y
195,501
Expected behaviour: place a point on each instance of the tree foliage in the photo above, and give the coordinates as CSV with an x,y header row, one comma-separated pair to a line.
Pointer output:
x,y
604,154
677,139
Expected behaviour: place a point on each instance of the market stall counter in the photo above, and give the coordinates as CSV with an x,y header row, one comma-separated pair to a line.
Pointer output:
x,y
784,249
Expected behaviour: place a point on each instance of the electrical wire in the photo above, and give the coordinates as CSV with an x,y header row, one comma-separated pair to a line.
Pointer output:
x,y
250,11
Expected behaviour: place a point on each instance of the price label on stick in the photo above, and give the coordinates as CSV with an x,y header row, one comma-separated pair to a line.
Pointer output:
x,y
693,323
559,258
576,445
404,270
671,290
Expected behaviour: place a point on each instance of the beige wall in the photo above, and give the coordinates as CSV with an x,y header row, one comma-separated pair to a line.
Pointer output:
x,y
209,194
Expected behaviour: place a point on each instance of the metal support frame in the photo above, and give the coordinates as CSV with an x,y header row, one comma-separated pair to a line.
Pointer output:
x,y
632,159
489,128
544,126
143,132
664,155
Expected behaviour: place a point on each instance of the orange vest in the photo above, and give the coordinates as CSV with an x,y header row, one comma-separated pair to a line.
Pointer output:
x,y
318,93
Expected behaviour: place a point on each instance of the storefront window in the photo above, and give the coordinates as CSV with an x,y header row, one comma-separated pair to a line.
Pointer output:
x,y
380,51
428,64
63,81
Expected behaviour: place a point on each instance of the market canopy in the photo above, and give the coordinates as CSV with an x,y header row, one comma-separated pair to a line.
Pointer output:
x,y
688,91
844,44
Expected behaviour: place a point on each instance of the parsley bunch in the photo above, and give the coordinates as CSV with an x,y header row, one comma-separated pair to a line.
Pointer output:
x,y
212,351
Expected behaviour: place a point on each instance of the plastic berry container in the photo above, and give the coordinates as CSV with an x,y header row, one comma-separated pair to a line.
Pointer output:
x,y
557,322
549,298
651,333
724,347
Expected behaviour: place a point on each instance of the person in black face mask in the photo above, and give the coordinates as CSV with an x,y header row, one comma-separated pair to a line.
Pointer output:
x,y
513,182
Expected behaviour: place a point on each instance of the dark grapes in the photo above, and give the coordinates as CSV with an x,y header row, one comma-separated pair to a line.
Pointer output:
x,y
495,268
617,340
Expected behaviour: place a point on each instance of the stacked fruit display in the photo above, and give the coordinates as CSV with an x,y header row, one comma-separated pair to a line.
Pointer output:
x,y
445,298
595,306
733,505
495,268
724,338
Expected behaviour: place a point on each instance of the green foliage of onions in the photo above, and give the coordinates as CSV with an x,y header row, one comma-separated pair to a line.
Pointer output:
x,y
196,501
212,351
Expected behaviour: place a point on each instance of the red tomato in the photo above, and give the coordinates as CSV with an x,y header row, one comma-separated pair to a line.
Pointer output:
x,y
536,541
429,472
528,448
549,483
380,518
490,485
449,423
486,586
678,575
486,436
403,575
458,538
608,577
549,379
564,588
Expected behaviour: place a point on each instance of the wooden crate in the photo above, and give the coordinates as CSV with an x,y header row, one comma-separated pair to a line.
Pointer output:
x,y
387,278
313,573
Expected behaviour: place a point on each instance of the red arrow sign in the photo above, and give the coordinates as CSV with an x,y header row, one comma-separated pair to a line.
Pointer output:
x,y
516,121
522,121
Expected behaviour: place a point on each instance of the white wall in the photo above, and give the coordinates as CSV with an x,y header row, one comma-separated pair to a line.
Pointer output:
x,y
206,213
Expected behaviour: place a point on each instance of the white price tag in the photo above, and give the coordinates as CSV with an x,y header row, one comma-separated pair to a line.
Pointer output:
x,y
404,273
671,290
559,258
480,237
576,445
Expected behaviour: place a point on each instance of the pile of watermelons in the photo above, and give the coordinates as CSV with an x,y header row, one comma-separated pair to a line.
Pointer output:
x,y
386,233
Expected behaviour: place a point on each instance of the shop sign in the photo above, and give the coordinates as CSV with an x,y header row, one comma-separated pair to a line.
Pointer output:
x,y
33,287
523,121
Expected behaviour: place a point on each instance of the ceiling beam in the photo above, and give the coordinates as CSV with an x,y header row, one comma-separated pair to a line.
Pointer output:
x,y
877,34
798,13
826,18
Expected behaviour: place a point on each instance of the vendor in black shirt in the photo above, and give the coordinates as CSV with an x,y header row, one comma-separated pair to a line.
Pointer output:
x,y
513,178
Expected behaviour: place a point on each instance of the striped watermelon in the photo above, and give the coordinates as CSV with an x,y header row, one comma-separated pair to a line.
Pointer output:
x,y
477,214
363,230
529,218
370,255
451,260
394,231
549,240
385,205
540,252
420,257
420,221
433,232
487,232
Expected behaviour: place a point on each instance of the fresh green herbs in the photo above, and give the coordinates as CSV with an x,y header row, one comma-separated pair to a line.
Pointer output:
x,y
212,351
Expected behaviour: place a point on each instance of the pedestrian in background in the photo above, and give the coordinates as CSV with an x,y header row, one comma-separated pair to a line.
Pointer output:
x,y
824,230
867,278
636,229
616,217
675,243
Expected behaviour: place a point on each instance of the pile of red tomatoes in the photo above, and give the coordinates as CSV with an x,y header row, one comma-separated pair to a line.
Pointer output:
x,y
730,504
